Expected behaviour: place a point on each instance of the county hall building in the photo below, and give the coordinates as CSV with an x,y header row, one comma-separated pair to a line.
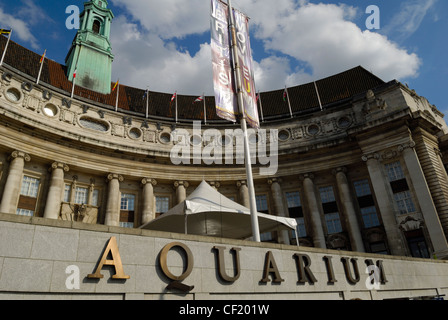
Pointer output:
x,y
362,169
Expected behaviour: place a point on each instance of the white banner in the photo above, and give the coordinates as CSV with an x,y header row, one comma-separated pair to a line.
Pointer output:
x,y
225,93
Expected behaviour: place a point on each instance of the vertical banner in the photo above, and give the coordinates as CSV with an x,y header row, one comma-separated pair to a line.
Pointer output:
x,y
247,69
223,79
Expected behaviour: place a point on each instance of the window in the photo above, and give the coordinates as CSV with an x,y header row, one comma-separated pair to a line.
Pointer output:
x,y
394,171
417,244
370,217
81,195
67,190
127,212
266,237
262,207
28,196
331,211
366,204
96,27
262,203
378,248
400,188
95,197
24,212
333,223
162,205
296,211
404,202
30,187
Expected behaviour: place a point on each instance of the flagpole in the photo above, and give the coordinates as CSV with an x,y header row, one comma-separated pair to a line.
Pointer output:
x,y
205,109
177,118
289,102
74,83
318,95
118,94
250,179
40,69
261,106
6,48
147,103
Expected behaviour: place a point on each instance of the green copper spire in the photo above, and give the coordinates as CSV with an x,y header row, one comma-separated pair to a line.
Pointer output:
x,y
91,53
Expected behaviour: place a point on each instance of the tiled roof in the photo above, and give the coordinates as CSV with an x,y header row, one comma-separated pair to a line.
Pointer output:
x,y
303,98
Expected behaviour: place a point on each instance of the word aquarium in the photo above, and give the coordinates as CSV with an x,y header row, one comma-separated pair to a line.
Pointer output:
x,y
269,271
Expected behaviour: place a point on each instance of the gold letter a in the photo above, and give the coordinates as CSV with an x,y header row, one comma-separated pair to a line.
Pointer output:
x,y
111,248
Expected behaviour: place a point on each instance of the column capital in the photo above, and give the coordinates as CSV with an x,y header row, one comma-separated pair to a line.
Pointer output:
x,y
410,145
304,176
271,181
19,154
370,156
215,184
146,181
339,170
115,176
179,183
241,183
59,165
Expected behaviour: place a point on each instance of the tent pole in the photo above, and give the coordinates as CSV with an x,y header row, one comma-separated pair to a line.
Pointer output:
x,y
297,237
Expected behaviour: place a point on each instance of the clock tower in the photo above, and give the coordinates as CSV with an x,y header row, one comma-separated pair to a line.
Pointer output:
x,y
91,53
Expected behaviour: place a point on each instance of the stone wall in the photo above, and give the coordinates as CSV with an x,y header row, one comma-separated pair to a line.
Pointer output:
x,y
42,258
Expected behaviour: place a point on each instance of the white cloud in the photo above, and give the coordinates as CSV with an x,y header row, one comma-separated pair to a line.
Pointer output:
x,y
169,18
407,21
320,36
143,59
20,28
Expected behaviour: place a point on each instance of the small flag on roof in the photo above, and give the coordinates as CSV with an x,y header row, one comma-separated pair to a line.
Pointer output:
x,y
5,31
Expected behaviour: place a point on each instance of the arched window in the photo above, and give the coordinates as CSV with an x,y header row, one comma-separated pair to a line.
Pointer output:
x,y
96,27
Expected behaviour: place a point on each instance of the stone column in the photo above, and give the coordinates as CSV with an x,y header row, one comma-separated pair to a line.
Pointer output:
x,y
243,193
11,192
279,205
181,190
317,231
91,189
215,185
385,204
425,200
113,200
347,199
148,213
54,197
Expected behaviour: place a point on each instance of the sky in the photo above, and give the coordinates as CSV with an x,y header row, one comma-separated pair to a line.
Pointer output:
x,y
164,45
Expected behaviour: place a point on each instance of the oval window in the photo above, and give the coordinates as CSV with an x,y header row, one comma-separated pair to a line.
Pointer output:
x,y
13,95
344,122
283,135
196,140
50,110
94,124
165,137
226,140
313,129
135,133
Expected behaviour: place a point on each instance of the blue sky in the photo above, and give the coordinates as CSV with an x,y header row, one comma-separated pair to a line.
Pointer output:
x,y
164,45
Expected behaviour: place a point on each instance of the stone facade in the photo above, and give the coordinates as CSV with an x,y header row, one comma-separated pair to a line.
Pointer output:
x,y
366,175
50,259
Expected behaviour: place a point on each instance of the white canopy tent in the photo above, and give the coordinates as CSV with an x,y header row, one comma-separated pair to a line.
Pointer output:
x,y
209,213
